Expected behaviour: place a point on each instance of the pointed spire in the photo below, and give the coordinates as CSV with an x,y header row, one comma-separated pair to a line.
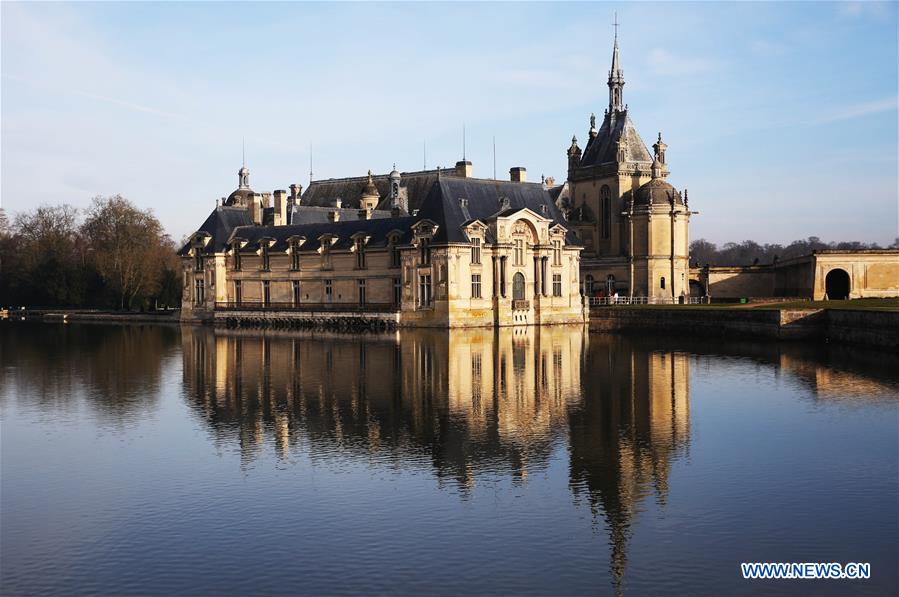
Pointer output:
x,y
616,77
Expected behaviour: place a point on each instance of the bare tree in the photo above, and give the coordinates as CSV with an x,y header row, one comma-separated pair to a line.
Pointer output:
x,y
126,247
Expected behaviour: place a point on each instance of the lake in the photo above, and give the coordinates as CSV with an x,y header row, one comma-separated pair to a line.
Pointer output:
x,y
140,459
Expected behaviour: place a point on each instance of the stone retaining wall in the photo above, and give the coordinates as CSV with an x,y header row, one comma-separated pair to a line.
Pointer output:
x,y
870,328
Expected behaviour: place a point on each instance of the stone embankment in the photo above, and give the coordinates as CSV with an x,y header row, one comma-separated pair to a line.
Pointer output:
x,y
878,329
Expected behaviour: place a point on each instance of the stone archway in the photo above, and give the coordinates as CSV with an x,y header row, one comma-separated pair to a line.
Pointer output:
x,y
837,284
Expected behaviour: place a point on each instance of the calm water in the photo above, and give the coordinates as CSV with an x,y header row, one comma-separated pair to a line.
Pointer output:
x,y
139,459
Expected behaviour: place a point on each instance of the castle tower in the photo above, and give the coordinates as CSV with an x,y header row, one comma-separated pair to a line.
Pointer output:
x,y
603,181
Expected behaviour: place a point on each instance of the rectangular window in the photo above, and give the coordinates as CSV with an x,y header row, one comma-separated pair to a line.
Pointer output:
x,y
394,253
198,260
238,292
200,291
236,257
557,252
329,291
476,250
361,286
476,286
519,251
557,284
296,293
266,293
425,251
264,252
360,253
326,253
424,290
397,291
295,255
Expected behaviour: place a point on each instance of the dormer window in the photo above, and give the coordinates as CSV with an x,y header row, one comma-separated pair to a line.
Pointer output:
x,y
295,254
557,252
263,253
475,250
325,251
198,260
394,250
518,254
359,248
425,249
235,256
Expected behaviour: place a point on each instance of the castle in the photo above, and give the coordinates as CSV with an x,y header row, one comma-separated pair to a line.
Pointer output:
x,y
442,248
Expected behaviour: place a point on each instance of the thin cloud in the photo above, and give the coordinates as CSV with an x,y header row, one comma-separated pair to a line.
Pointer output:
x,y
890,104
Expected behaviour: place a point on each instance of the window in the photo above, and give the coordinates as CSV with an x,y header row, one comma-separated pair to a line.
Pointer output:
x,y
199,291
295,255
425,246
238,292
397,291
424,290
359,245
557,284
326,252
296,293
519,251
476,286
557,252
264,252
329,291
662,283
198,260
588,285
610,284
476,250
605,200
361,286
394,252
266,293
235,261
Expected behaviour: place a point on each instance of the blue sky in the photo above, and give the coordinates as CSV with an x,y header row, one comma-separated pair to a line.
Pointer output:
x,y
781,118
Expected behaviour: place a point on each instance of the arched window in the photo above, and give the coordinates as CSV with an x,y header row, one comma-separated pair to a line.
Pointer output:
x,y
588,285
610,284
518,287
605,202
662,283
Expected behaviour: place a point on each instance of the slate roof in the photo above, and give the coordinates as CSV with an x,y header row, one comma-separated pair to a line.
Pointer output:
x,y
378,230
603,148
484,202
220,224
322,193
306,214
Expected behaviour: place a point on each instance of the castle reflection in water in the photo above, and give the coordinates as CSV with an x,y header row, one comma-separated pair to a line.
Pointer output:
x,y
464,403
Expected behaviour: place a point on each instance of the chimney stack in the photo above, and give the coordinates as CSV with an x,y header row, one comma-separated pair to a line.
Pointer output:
x,y
464,169
256,208
518,174
333,215
266,199
337,202
280,208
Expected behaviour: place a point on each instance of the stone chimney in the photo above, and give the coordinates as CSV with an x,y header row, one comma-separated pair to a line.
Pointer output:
x,y
518,174
337,202
266,199
280,208
256,208
464,169
334,215
295,191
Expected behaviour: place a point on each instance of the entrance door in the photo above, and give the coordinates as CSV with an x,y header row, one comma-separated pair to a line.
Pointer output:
x,y
836,284
518,287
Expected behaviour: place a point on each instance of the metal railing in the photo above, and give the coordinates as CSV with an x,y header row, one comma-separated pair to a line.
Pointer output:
x,y
603,301
306,307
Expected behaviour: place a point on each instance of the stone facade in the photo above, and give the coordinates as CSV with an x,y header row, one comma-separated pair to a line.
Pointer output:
x,y
633,224
476,253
